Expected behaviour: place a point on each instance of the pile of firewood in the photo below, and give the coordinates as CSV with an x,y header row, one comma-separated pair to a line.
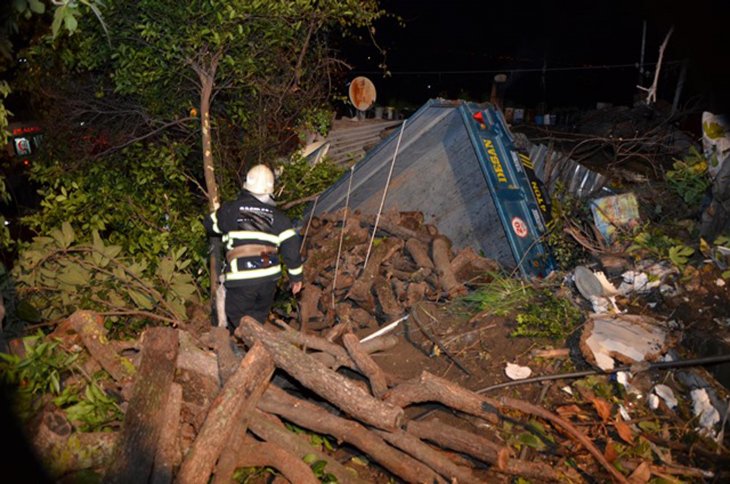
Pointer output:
x,y
354,280
196,409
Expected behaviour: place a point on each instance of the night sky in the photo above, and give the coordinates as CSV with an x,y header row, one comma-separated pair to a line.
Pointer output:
x,y
453,49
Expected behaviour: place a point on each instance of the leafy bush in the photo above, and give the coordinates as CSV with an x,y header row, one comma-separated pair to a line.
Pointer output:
x,y
137,199
299,180
38,373
652,242
689,177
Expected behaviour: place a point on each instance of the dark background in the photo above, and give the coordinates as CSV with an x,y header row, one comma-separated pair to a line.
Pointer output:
x,y
453,49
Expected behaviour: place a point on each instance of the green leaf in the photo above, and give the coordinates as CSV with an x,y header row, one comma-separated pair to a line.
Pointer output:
x,y
166,269
531,440
36,6
140,299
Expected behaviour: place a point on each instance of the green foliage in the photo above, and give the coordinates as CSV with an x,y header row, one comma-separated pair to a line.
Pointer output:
x,y
318,468
138,199
59,274
39,372
538,312
567,211
299,179
689,177
90,410
652,242
547,316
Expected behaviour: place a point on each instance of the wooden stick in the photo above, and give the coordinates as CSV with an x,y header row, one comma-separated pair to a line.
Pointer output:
x,y
473,444
432,388
271,429
332,386
266,454
428,455
317,419
234,402
378,382
438,342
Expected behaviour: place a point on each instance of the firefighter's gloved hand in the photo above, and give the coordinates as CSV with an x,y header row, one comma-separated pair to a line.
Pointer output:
x,y
296,287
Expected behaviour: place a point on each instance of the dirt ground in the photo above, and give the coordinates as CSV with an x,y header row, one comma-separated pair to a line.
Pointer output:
x,y
477,352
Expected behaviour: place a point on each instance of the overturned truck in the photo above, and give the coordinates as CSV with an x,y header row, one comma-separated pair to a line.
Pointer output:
x,y
457,163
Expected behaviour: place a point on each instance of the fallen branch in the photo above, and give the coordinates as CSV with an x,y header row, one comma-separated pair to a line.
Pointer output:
x,y
311,373
317,419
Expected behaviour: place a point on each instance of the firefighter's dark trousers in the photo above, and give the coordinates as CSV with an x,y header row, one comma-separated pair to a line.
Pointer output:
x,y
253,299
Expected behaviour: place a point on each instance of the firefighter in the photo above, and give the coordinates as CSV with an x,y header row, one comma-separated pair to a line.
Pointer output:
x,y
257,238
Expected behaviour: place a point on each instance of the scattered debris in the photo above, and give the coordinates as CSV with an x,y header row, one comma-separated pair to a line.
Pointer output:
x,y
517,372
623,337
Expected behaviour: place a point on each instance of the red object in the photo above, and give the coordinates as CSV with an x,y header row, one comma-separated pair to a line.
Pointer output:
x,y
479,117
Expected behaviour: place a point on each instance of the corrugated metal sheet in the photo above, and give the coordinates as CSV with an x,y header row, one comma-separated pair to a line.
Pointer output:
x,y
436,172
552,167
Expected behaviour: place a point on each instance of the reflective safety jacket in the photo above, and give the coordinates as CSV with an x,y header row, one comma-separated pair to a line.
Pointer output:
x,y
249,223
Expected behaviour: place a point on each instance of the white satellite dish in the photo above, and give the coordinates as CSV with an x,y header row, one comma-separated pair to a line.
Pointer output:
x,y
362,93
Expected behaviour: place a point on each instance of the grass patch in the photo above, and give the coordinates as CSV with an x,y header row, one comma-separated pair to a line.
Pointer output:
x,y
536,310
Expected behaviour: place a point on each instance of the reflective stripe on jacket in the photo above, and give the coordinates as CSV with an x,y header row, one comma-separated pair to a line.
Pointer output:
x,y
247,220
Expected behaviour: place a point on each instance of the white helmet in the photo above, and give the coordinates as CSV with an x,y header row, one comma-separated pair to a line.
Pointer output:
x,y
259,180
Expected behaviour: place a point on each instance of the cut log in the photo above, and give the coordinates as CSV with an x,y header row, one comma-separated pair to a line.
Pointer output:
x,y
309,303
386,298
419,252
416,293
317,419
168,455
197,372
378,382
269,428
440,250
429,456
332,386
63,451
397,230
360,292
234,403
90,327
467,264
145,417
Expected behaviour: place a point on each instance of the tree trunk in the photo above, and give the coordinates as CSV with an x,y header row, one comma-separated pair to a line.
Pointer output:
x,y
332,386
234,402
145,416
207,81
